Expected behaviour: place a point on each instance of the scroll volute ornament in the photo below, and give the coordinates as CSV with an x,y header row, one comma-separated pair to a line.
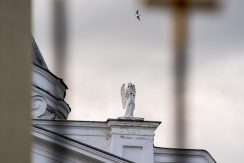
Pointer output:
x,y
39,106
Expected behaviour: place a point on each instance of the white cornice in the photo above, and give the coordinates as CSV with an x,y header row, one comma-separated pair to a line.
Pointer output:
x,y
132,123
98,124
50,77
70,123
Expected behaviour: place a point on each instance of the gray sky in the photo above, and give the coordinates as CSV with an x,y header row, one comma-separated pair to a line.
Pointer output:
x,y
107,46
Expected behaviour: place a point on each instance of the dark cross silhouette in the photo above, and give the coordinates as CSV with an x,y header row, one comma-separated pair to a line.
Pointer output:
x,y
181,9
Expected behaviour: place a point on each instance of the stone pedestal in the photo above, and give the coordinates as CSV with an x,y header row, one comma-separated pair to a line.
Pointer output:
x,y
131,118
133,138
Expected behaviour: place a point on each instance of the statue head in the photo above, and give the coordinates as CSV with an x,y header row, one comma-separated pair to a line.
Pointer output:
x,y
130,88
129,84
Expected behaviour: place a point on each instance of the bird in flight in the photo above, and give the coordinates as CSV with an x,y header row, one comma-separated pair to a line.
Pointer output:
x,y
138,15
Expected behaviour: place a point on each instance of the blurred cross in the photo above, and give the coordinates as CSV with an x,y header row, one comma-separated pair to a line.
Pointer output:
x,y
181,9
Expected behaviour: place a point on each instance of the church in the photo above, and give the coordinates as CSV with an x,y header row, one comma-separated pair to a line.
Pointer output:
x,y
124,140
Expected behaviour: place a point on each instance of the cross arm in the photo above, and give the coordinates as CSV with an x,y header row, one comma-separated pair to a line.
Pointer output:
x,y
190,4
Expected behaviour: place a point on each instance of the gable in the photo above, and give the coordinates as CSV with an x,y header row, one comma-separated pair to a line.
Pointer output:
x,y
49,147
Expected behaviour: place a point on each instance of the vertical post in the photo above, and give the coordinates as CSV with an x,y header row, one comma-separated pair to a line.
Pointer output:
x,y
180,68
60,36
15,83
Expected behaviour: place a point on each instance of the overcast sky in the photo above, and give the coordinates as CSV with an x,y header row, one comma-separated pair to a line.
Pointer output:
x,y
107,46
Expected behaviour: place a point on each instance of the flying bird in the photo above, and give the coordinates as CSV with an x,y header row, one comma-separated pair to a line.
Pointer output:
x,y
138,15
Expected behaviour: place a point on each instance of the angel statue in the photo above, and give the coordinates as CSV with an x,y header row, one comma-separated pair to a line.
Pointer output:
x,y
128,99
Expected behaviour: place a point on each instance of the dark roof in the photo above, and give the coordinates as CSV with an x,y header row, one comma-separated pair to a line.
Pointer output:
x,y
185,150
37,56
39,61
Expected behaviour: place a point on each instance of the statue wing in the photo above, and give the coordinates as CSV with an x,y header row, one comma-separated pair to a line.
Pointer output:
x,y
134,89
123,98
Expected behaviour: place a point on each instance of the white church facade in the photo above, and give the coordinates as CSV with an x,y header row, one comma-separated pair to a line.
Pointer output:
x,y
58,140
